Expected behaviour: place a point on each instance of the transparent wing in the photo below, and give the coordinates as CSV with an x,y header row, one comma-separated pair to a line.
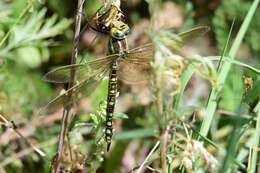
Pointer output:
x,y
92,38
193,33
132,73
85,87
83,71
177,41
141,54
135,66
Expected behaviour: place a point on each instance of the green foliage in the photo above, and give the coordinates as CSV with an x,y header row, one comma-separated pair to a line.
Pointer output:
x,y
23,89
26,34
235,9
233,90
29,35
188,16
220,28
28,39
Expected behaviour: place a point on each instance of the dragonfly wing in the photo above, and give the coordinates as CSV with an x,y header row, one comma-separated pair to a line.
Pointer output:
x,y
92,39
85,87
135,67
187,36
145,51
82,71
193,33
141,55
177,41
132,73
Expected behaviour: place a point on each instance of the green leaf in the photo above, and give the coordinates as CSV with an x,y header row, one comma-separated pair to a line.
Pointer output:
x,y
135,134
120,115
28,56
94,118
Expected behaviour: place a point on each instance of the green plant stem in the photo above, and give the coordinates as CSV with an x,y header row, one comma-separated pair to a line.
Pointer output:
x,y
228,163
253,163
212,101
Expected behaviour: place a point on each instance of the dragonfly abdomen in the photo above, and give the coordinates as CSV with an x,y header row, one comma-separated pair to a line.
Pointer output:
x,y
111,99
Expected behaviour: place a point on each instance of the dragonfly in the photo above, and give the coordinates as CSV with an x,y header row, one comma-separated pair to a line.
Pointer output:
x,y
128,65
116,65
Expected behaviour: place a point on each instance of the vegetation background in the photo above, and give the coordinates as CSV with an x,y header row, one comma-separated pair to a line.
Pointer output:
x,y
36,36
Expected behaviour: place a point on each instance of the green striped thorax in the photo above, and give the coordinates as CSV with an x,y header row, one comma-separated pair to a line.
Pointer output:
x,y
119,30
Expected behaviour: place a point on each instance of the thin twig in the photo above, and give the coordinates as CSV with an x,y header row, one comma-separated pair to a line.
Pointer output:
x,y
12,125
29,129
66,111
25,152
148,157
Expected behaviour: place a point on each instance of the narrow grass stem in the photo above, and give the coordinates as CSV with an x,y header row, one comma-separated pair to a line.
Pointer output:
x,y
252,167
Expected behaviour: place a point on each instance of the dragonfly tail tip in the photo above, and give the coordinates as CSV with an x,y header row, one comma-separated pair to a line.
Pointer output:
x,y
108,147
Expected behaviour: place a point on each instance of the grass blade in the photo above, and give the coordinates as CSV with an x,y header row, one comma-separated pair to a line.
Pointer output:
x,y
212,102
253,160
184,81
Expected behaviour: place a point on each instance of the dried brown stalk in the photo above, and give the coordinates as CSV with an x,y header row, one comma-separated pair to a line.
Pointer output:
x,y
67,109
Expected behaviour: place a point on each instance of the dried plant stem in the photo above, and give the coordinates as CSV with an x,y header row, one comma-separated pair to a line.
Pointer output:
x,y
161,119
163,154
19,155
148,157
66,111
12,125
154,7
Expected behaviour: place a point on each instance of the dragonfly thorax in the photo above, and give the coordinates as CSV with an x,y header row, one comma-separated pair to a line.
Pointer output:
x,y
117,46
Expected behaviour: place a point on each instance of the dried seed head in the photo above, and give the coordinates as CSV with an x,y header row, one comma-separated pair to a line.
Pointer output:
x,y
248,82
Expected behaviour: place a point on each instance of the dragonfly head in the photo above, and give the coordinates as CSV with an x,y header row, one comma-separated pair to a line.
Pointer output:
x,y
119,30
